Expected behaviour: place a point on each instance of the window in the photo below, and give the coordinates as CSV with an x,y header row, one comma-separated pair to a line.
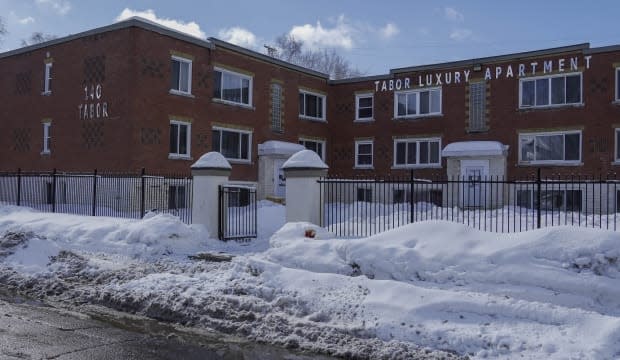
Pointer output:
x,y
416,152
232,87
233,144
617,154
181,76
47,84
398,196
276,107
550,147
364,194
179,139
311,106
176,197
317,146
563,200
550,91
477,106
46,137
417,103
617,84
363,154
363,107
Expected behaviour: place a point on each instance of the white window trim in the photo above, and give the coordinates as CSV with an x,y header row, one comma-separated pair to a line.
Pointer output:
x,y
250,88
324,115
189,76
417,165
188,139
418,115
357,107
617,73
534,78
616,158
322,142
552,162
372,154
47,78
234,160
46,138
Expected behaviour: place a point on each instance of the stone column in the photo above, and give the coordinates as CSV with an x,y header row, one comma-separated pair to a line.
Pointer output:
x,y
209,172
303,199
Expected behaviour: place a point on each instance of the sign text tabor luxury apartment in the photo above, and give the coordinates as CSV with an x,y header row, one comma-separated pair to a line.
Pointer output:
x,y
137,95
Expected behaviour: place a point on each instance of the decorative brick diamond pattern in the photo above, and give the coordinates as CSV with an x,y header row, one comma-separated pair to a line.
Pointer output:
x,y
92,134
21,139
94,69
150,136
203,80
600,85
342,153
202,141
344,107
23,83
152,68
386,105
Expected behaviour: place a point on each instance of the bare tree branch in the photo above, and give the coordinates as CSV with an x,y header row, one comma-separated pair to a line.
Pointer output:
x,y
3,30
37,38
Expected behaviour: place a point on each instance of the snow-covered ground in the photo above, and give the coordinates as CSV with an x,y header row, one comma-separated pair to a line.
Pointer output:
x,y
550,293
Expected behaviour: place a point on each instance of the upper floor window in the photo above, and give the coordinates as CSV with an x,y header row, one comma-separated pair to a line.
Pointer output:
x,y
47,81
417,152
617,152
550,147
554,90
318,146
276,107
232,87
311,105
363,153
181,75
417,103
232,143
363,107
46,137
617,84
180,135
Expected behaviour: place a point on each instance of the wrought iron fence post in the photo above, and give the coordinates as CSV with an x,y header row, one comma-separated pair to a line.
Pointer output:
x,y
95,192
54,190
411,210
538,197
19,186
220,195
142,192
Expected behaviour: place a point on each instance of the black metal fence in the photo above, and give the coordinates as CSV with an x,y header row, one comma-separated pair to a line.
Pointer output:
x,y
238,211
127,195
363,207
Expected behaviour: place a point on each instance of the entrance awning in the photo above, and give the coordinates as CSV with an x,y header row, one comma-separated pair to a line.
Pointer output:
x,y
275,147
475,148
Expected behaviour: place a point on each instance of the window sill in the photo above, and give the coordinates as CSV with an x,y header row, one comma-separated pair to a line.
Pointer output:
x,y
181,93
232,103
46,153
179,157
239,161
557,163
410,167
551,107
474,131
308,118
415,117
364,120
357,167
616,102
616,162
46,93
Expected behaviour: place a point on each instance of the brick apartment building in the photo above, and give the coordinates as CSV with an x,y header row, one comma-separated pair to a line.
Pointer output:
x,y
135,94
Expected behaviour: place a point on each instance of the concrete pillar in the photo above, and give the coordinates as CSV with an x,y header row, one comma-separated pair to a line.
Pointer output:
x,y
303,199
209,172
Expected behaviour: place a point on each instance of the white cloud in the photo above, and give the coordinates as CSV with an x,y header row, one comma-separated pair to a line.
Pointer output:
x,y
453,15
62,7
25,21
238,36
460,34
389,30
190,28
317,36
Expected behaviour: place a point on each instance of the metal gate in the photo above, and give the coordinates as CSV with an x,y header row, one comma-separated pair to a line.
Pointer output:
x,y
237,212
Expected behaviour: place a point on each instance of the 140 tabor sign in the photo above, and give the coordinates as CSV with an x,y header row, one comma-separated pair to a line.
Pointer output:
x,y
93,107
508,71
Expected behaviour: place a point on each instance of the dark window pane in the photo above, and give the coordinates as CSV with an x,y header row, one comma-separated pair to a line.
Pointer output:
x,y
365,102
311,106
245,91
411,153
302,104
245,146
424,152
183,139
364,113
184,76
231,87
401,152
174,75
319,107
527,148
573,89
319,149
402,104
215,139
571,146
217,84
617,144
425,102
412,104
524,198
617,84
542,92
527,93
230,144
364,148
174,134
550,147
558,90
436,101
434,152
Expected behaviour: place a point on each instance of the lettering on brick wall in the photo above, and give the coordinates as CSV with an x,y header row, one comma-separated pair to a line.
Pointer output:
x,y
93,106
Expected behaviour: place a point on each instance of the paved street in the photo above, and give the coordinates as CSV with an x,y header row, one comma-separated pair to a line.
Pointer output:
x,y
33,331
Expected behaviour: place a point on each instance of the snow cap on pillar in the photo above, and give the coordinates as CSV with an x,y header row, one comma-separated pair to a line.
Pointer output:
x,y
212,160
304,159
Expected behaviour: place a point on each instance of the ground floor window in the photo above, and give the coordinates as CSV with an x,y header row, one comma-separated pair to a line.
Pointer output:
x,y
363,153
180,138
318,146
562,200
417,152
552,147
233,144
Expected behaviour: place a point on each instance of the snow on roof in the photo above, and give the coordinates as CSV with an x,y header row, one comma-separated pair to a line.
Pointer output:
x,y
212,160
305,159
275,147
475,148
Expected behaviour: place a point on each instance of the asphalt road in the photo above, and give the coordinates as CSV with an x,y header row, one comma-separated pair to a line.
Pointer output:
x,y
34,331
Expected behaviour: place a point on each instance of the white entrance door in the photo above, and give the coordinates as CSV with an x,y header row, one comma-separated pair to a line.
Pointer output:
x,y
474,192
279,185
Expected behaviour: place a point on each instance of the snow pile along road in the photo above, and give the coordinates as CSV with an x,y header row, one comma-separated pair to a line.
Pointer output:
x,y
549,293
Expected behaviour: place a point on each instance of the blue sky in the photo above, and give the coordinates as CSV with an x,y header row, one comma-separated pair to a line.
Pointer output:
x,y
373,35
